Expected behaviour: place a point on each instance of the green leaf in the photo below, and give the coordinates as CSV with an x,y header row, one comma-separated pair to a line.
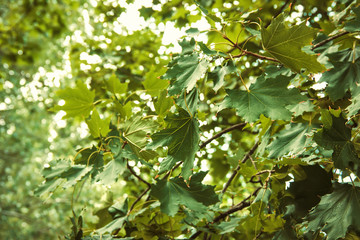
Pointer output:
x,y
293,139
98,127
111,171
153,84
136,131
78,100
310,182
218,74
163,104
338,138
354,25
189,101
354,107
300,108
266,96
185,73
119,213
114,85
58,171
230,226
175,192
337,212
187,47
285,44
343,77
181,136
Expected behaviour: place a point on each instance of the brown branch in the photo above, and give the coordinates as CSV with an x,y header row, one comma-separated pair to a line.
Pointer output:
x,y
137,176
243,204
239,125
245,158
329,39
245,52
138,199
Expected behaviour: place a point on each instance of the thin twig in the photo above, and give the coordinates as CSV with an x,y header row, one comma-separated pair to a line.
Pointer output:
x,y
239,125
329,39
246,157
137,176
279,12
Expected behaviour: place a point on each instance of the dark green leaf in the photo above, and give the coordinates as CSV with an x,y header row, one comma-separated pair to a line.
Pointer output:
x,y
291,140
175,192
337,212
185,73
285,44
181,136
266,96
338,138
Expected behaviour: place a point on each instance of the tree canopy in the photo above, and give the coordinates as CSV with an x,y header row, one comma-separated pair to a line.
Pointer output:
x,y
245,127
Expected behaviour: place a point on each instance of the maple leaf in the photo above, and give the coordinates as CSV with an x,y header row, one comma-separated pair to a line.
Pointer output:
x,y
354,107
338,138
78,100
354,25
189,101
181,137
97,126
58,171
336,212
114,85
136,132
175,192
285,44
185,73
344,75
292,140
267,96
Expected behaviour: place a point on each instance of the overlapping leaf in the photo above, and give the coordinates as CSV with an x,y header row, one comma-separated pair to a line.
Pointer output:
x,y
175,192
136,132
337,212
185,73
58,171
98,127
285,44
267,96
292,140
114,85
181,136
345,74
218,74
338,138
354,25
78,100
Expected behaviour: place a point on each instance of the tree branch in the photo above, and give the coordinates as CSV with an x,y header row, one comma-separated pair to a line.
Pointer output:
x,y
138,199
142,180
243,204
245,158
329,39
137,176
239,125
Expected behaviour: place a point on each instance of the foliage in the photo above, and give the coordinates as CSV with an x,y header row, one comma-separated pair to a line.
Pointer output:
x,y
249,132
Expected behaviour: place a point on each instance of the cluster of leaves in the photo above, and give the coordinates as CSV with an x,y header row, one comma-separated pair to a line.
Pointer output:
x,y
282,176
